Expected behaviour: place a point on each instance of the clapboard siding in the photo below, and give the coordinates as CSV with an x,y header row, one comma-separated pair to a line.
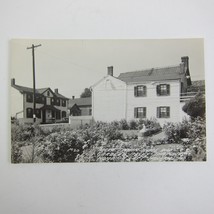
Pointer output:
x,y
108,100
151,101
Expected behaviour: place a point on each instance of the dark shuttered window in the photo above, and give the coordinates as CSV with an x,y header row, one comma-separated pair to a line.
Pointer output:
x,y
38,113
57,102
29,98
163,112
64,103
40,99
140,91
29,112
52,101
140,112
163,89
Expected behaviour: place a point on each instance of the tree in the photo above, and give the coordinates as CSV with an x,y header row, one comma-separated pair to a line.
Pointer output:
x,y
86,93
196,106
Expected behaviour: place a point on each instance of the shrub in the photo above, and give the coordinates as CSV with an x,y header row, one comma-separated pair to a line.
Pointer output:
x,y
195,107
63,147
176,131
123,124
192,135
197,128
21,132
151,131
116,124
16,152
133,124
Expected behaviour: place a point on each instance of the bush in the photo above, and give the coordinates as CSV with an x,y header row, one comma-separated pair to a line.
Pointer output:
x,y
21,132
195,107
151,131
192,135
133,124
61,147
16,152
123,124
176,131
197,129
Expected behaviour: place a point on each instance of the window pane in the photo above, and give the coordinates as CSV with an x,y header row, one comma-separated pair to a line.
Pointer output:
x,y
29,113
140,112
140,91
163,89
163,112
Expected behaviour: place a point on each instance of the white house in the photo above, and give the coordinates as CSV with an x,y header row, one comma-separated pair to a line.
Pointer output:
x,y
151,93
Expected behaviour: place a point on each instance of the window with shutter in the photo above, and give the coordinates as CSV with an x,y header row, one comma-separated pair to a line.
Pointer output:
x,y
163,112
39,99
52,101
29,98
163,89
57,102
38,113
29,112
63,103
140,91
140,112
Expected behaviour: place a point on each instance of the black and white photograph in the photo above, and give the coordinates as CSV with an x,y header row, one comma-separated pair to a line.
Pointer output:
x,y
107,100
106,107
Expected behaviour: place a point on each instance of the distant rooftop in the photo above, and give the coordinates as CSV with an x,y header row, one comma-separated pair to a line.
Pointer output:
x,y
24,89
86,101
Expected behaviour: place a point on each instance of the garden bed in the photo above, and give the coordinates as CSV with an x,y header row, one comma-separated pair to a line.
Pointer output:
x,y
103,142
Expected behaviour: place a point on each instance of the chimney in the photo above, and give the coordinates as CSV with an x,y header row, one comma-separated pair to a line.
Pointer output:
x,y
73,97
13,82
110,70
185,60
56,91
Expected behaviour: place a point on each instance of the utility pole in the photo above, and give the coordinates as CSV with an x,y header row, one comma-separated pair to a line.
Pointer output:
x,y
34,80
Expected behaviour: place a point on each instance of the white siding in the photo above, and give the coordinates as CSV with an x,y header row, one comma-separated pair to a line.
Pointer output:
x,y
16,103
112,100
152,101
108,100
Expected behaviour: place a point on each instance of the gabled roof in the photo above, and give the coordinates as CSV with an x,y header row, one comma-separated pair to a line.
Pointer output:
x,y
104,78
42,90
153,74
24,89
74,106
80,101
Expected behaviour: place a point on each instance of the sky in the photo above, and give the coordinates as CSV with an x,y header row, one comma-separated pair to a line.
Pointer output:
x,y
72,65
